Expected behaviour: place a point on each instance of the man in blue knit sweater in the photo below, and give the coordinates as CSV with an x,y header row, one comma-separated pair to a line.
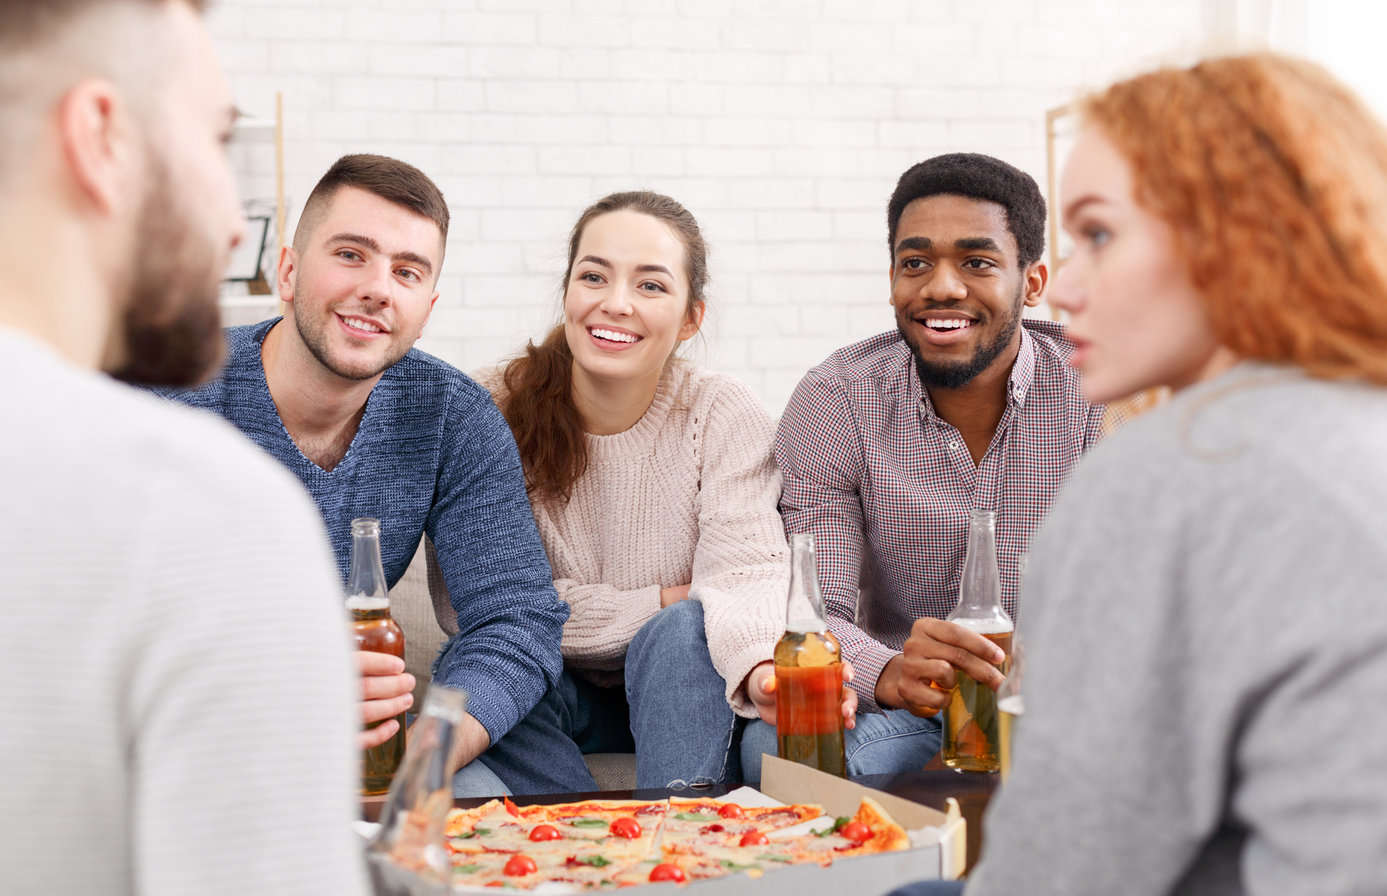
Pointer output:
x,y
372,427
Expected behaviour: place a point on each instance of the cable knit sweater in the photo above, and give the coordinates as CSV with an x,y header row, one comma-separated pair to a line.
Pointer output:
x,y
687,495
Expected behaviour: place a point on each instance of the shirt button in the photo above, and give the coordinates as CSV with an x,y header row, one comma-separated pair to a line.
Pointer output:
x,y
953,446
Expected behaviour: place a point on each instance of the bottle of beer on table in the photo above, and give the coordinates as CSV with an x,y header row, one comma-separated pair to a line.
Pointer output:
x,y
368,601
972,739
808,672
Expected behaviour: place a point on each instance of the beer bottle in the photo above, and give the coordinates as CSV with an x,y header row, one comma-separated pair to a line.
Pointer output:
x,y
1010,704
407,854
808,672
972,740
368,601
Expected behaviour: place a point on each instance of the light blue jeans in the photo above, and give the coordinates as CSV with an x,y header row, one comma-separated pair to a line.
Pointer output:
x,y
881,743
930,888
673,714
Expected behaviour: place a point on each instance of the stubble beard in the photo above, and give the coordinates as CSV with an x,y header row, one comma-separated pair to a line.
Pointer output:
x,y
171,327
314,336
935,374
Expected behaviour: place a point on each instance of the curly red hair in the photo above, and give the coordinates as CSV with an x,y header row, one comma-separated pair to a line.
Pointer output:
x,y
1273,176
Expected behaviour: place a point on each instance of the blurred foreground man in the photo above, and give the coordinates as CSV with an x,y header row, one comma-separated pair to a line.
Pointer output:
x,y
336,392
146,744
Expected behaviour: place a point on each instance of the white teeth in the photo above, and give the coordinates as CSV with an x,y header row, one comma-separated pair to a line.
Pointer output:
x,y
613,336
364,326
952,324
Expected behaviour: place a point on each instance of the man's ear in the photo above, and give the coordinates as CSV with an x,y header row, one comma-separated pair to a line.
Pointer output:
x,y
1037,275
98,138
284,273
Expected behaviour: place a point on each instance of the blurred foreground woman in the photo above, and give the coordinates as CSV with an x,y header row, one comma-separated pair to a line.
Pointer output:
x,y
1204,605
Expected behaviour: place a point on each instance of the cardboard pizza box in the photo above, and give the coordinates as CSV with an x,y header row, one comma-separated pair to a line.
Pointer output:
x,y
939,838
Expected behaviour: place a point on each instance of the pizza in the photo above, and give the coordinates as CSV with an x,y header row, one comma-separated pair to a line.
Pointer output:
x,y
598,844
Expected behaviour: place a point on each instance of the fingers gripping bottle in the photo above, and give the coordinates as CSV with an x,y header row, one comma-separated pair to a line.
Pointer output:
x,y
808,672
972,739
368,601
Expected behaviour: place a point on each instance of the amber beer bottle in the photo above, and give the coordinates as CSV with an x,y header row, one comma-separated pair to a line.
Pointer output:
x,y
972,736
808,672
368,601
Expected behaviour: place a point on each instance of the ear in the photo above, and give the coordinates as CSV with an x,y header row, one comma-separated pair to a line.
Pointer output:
x,y
692,322
427,314
891,275
97,136
1037,275
284,273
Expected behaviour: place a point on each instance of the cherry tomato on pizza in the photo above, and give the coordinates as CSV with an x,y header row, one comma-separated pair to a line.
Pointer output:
x,y
627,828
520,865
667,871
754,838
856,831
544,832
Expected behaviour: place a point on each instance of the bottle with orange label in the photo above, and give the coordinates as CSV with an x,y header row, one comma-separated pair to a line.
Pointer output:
x,y
808,672
368,601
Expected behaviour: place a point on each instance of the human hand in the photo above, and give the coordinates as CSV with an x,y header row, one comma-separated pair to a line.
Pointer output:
x,y
385,693
760,690
931,658
673,595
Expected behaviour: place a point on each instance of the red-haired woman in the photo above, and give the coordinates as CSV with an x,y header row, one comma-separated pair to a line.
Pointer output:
x,y
1206,637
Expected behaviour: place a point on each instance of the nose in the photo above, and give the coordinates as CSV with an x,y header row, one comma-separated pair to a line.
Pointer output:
x,y
945,284
1064,292
617,301
378,282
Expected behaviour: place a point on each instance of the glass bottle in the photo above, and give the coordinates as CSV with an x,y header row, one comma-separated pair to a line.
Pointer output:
x,y
368,601
808,672
1010,703
972,739
407,854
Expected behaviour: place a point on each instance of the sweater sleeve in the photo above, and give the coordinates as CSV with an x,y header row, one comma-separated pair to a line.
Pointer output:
x,y
741,563
603,621
506,651
820,457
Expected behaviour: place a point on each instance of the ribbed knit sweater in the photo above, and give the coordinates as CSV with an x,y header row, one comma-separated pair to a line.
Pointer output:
x,y
686,496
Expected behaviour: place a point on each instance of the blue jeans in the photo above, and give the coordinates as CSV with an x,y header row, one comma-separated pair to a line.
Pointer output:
x,y
882,743
673,714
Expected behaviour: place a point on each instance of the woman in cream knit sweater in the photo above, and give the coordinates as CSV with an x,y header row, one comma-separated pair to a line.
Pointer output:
x,y
655,492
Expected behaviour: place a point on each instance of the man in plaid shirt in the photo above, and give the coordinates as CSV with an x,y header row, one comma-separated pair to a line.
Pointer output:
x,y
889,444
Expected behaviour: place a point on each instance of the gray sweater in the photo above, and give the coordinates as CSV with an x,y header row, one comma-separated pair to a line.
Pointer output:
x,y
1207,643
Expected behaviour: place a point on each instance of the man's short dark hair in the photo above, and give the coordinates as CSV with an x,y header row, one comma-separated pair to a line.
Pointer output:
x,y
390,179
975,176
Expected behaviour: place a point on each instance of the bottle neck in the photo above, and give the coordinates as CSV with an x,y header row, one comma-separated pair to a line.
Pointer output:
x,y
366,587
804,610
980,586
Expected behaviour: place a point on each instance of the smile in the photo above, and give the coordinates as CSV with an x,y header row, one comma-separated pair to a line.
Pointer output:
x,y
948,324
361,325
613,335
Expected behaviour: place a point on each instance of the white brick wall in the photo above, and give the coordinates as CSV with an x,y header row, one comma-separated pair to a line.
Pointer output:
x,y
782,124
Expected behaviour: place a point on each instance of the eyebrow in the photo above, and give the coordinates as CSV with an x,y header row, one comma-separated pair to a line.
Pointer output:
x,y
972,243
1079,204
643,268
360,240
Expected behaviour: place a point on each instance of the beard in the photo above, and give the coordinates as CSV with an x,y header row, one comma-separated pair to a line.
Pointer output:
x,y
315,337
171,330
949,374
